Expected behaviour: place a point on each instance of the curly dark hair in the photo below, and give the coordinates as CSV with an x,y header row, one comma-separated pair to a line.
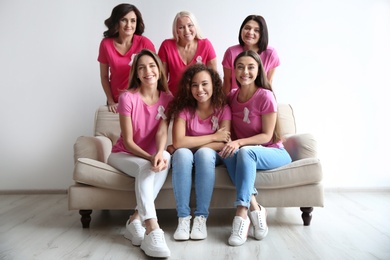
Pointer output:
x,y
117,14
184,97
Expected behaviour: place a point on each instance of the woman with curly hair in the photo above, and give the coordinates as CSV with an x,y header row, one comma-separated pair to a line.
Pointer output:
x,y
200,130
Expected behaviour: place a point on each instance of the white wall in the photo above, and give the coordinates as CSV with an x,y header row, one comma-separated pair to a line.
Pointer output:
x,y
335,63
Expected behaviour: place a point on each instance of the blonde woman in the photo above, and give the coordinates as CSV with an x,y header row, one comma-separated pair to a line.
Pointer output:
x,y
187,47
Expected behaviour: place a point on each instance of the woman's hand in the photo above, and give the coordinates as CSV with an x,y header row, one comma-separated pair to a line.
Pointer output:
x,y
112,107
222,135
229,149
158,162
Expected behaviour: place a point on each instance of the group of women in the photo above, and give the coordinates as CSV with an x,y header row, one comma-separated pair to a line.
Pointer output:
x,y
233,121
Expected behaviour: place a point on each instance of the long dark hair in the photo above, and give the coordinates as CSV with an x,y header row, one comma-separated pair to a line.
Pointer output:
x,y
262,44
135,82
184,97
261,81
117,14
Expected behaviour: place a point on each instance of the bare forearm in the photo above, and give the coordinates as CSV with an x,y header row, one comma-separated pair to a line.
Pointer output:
x,y
193,141
255,140
216,146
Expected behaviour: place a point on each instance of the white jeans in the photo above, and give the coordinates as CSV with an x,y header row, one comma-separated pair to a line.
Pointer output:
x,y
147,183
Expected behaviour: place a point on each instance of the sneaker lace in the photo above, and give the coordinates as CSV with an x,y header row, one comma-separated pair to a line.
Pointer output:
x,y
184,224
199,223
238,227
138,228
158,237
260,220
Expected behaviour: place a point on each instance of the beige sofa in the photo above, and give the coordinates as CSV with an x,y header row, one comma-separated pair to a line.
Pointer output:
x,y
98,186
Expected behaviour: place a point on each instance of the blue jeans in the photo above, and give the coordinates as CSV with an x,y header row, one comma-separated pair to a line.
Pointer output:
x,y
242,167
204,160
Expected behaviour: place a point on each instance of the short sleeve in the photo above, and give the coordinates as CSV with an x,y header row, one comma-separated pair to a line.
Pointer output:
x,y
162,52
227,59
125,103
102,58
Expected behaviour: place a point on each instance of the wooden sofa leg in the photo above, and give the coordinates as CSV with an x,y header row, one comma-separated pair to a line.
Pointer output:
x,y
306,215
85,217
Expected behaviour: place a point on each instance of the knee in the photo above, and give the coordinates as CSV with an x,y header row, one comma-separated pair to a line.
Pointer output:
x,y
246,153
182,154
205,153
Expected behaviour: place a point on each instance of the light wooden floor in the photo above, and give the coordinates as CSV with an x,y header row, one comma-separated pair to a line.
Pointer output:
x,y
352,225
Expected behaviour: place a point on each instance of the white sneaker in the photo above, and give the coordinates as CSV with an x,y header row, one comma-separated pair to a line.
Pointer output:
x,y
154,244
183,229
199,229
239,231
259,222
134,232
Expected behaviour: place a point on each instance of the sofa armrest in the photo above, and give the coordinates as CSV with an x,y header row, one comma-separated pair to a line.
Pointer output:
x,y
300,146
93,147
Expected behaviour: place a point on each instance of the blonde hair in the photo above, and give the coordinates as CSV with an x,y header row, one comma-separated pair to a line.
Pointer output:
x,y
198,35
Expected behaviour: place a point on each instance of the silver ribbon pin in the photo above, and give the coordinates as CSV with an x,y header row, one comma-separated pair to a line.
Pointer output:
x,y
132,59
246,116
161,113
214,120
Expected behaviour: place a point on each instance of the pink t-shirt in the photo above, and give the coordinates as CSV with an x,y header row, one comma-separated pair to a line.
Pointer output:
x,y
169,54
196,126
247,117
269,58
145,119
119,64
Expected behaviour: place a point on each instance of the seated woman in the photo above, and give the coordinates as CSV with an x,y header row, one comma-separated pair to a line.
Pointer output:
x,y
256,143
139,151
201,128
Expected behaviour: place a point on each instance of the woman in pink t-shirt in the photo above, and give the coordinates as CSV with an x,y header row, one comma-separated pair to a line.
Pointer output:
x,y
139,151
201,128
121,42
253,35
187,47
256,143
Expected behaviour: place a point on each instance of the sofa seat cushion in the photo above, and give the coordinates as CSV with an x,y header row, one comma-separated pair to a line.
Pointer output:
x,y
98,174
297,173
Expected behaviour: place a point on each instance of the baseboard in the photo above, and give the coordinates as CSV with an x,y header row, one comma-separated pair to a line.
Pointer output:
x,y
32,192
29,192
358,189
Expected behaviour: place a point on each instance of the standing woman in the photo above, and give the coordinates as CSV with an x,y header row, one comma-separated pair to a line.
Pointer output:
x,y
121,42
256,143
253,35
187,47
139,151
200,130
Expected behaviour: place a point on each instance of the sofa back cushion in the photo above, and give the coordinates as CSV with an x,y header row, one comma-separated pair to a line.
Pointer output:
x,y
107,123
286,119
